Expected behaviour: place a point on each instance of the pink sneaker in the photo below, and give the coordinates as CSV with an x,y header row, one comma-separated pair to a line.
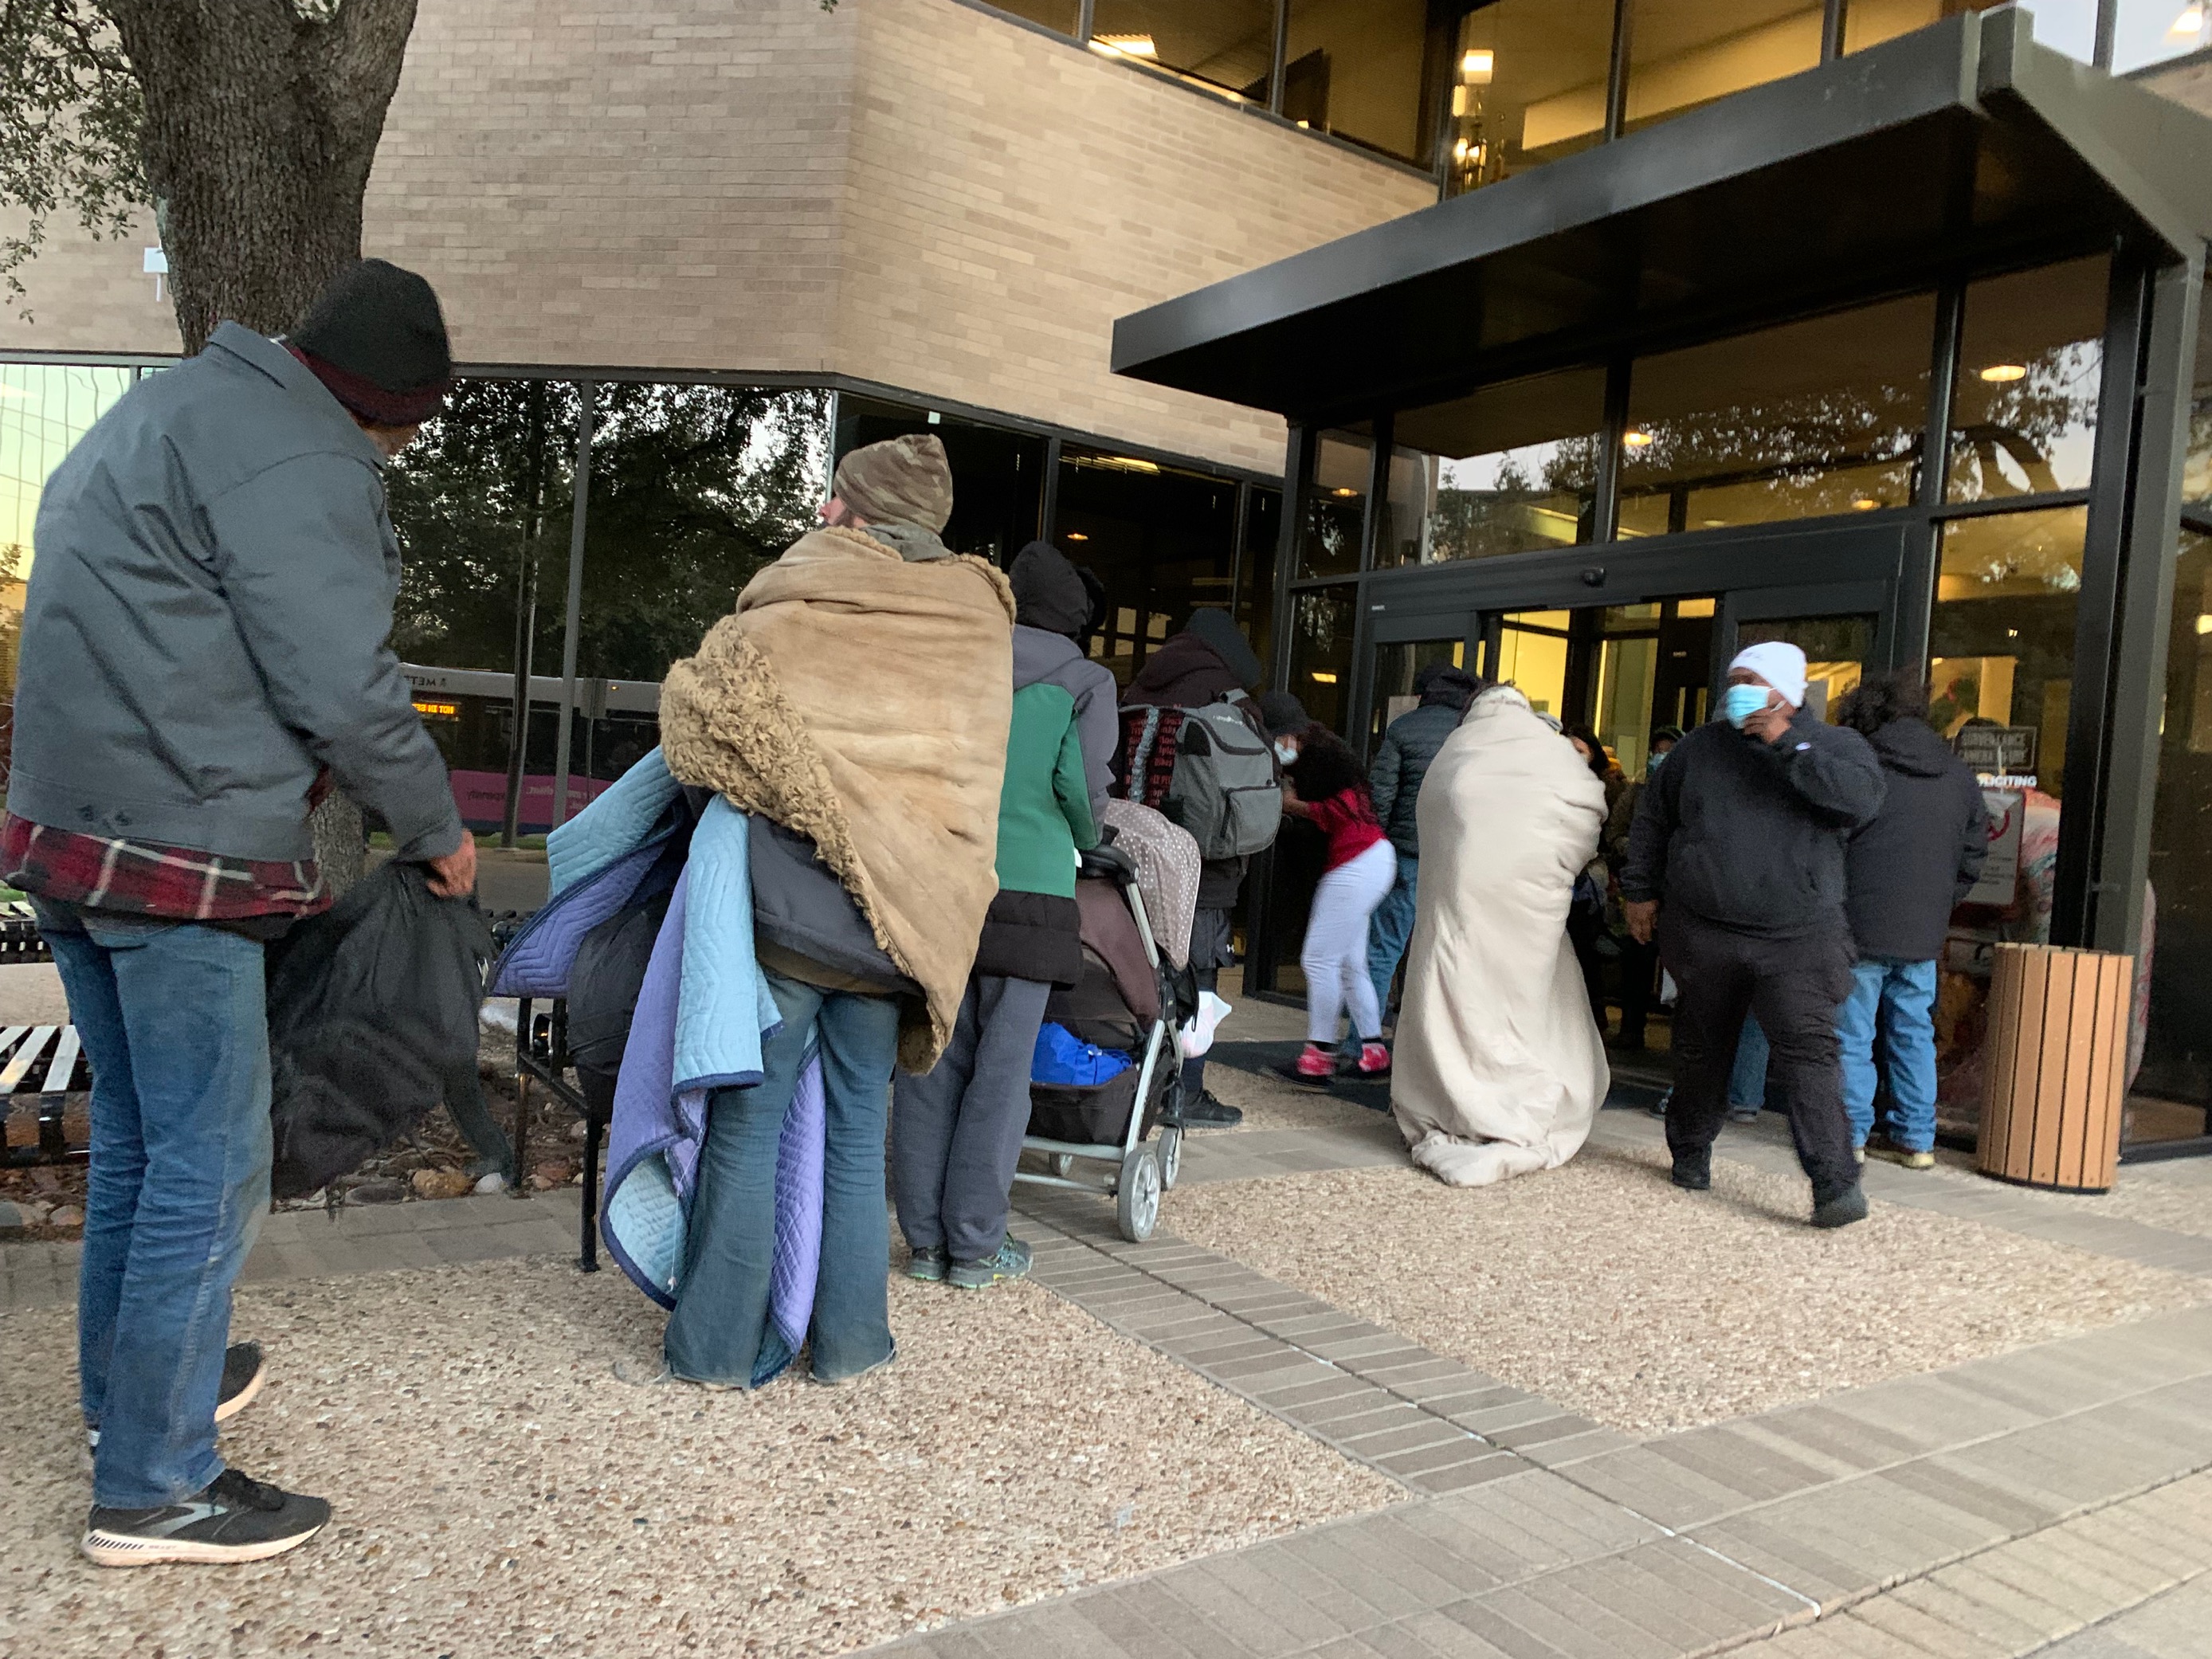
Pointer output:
x,y
1374,1059
1317,1062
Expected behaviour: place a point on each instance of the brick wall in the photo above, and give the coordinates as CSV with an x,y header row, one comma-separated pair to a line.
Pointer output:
x,y
905,191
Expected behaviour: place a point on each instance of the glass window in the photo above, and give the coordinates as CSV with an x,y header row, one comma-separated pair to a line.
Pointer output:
x,y
2197,465
1683,54
1510,468
1354,67
45,407
1321,622
1835,650
1627,678
1254,608
1528,86
481,502
2001,646
1811,418
2174,1087
2024,414
1336,503
1160,540
694,489
1396,667
998,476
2152,31
1532,654
1227,44
2067,25
1062,14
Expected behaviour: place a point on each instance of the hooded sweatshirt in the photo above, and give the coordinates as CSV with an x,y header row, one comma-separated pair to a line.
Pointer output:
x,y
1750,835
1044,658
1923,850
1033,929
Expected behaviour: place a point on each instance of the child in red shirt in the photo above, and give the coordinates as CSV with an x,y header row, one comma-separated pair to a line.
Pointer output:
x,y
1326,789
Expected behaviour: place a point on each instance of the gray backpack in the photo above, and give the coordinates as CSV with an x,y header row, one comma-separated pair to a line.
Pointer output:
x,y
1224,789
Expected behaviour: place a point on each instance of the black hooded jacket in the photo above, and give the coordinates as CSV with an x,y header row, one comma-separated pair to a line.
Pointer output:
x,y
1923,850
1750,836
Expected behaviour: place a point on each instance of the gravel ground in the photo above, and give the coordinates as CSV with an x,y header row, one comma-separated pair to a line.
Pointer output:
x,y
1601,1287
501,1493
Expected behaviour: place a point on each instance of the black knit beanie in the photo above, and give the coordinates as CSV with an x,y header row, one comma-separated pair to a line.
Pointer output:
x,y
375,337
1048,592
1218,631
1282,714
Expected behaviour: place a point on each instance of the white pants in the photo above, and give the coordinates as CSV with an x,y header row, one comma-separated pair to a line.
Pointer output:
x,y
1334,955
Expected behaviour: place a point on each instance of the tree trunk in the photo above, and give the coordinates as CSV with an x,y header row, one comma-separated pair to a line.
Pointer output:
x,y
262,122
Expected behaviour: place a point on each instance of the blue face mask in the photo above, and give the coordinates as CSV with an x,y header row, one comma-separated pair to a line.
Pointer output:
x,y
1742,701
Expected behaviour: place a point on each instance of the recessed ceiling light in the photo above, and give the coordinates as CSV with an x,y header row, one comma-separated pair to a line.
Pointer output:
x,y
1320,678
1077,536
1131,45
1864,504
1636,438
1999,374
1342,489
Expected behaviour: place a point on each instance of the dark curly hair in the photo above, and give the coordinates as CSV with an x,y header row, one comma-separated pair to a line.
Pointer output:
x,y
1881,699
1326,765
1600,762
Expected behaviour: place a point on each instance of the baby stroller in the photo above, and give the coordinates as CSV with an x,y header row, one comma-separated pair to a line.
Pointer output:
x,y
1129,998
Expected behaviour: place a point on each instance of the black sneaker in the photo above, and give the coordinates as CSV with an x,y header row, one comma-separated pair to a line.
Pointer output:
x,y
1846,1207
243,1374
1207,1113
236,1519
1693,1171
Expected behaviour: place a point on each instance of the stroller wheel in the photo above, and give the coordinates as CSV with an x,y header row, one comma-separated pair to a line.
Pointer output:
x,y
1062,1164
1137,1195
1171,1145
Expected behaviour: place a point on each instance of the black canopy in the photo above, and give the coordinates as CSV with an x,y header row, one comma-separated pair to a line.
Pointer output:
x,y
1963,143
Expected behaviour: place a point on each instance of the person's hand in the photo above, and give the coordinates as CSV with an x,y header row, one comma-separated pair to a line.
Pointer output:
x,y
1292,806
454,875
1643,919
1770,723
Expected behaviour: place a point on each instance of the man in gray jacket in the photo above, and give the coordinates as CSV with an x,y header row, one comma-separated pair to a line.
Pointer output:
x,y
205,648
1408,745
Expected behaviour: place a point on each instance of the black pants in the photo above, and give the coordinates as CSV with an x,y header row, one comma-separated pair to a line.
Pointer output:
x,y
1584,924
1794,986
1639,969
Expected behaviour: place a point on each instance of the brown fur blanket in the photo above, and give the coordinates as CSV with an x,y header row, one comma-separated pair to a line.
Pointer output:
x,y
864,701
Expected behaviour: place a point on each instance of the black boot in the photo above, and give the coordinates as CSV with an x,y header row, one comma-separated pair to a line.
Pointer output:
x,y
1693,1170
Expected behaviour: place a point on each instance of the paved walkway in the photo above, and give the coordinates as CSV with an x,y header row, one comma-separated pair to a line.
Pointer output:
x,y
2057,1499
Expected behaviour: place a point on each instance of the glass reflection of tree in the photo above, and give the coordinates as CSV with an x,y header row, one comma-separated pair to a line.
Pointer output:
x,y
1802,456
479,499
693,489
2011,430
1537,497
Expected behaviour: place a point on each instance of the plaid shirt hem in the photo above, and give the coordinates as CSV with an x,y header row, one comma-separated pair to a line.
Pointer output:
x,y
141,878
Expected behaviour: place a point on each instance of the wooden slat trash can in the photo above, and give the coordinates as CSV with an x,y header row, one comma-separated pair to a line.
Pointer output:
x,y
2056,1067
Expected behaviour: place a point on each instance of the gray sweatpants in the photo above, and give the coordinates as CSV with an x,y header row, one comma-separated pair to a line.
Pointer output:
x,y
957,1133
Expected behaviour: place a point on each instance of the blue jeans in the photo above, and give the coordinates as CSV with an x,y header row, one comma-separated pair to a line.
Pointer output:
x,y
1898,999
1747,1080
172,1018
720,1331
1388,930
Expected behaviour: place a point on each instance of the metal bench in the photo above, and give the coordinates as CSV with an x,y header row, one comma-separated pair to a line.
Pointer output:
x,y
541,1053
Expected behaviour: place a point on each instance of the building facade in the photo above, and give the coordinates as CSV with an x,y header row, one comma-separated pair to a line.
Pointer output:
x,y
1591,335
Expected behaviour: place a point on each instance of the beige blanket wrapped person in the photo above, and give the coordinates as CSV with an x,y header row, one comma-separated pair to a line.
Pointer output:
x,y
1498,1069
863,701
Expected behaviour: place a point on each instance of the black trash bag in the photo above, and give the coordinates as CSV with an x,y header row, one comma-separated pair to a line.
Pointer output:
x,y
372,1010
